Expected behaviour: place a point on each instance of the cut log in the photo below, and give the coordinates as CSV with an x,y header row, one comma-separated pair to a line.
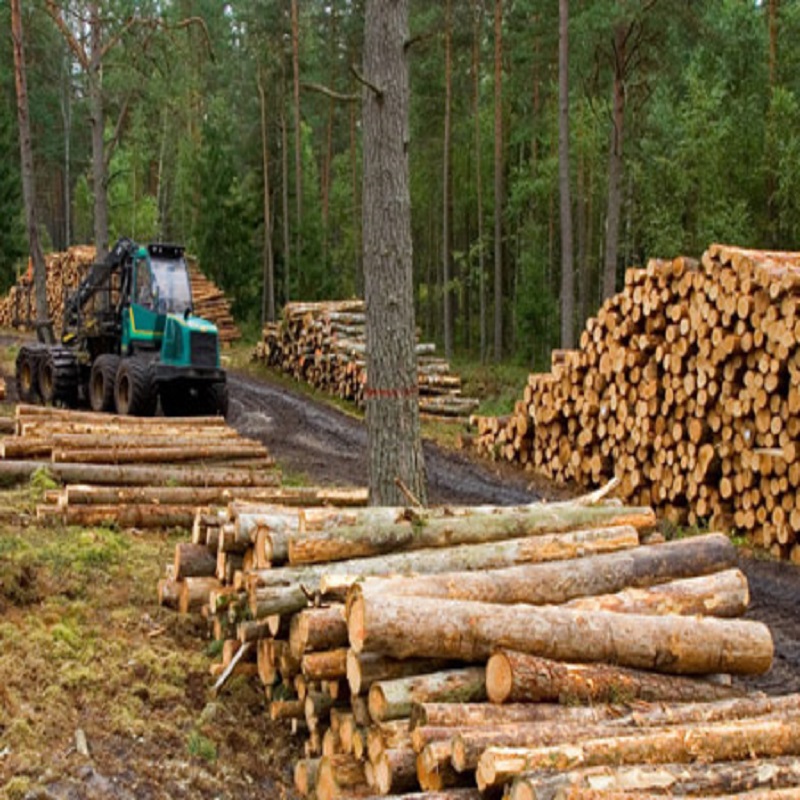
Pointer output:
x,y
441,777
388,735
325,665
130,516
169,591
336,774
464,715
318,629
195,593
364,669
552,583
725,741
336,535
393,699
305,775
524,678
439,628
664,779
396,771
270,600
161,455
193,561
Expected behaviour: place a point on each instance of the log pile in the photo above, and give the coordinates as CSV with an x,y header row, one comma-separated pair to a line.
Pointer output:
x,y
2,388
136,472
686,387
427,653
324,344
66,270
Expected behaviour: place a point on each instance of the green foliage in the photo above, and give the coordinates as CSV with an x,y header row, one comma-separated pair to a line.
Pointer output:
x,y
200,746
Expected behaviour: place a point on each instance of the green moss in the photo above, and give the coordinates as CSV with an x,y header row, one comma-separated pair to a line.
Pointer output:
x,y
200,746
17,788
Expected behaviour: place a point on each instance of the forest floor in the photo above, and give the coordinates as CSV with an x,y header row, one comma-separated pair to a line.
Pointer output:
x,y
86,651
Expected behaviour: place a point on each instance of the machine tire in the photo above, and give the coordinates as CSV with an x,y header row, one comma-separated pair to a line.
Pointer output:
x,y
58,377
102,382
134,392
27,374
213,400
173,400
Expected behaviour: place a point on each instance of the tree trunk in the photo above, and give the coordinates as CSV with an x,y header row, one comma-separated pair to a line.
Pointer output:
x,y
393,429
396,771
664,779
193,561
287,239
318,629
498,180
324,665
66,117
26,157
523,678
97,114
476,112
567,264
551,584
425,627
298,137
392,699
336,534
364,669
447,208
615,165
268,286
724,741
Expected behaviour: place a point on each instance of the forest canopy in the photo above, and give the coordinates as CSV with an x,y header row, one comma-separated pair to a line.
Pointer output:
x,y
235,128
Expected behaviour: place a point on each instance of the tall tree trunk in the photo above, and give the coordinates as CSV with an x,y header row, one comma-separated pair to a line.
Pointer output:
x,y
268,286
66,119
393,430
97,114
498,180
359,276
26,156
287,239
567,266
447,210
476,108
326,162
773,10
298,137
581,209
615,162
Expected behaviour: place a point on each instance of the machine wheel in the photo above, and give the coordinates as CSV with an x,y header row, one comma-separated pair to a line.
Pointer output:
x,y
58,377
102,381
27,374
134,392
213,400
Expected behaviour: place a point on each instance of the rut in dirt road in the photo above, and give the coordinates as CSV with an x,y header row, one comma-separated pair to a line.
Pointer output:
x,y
328,446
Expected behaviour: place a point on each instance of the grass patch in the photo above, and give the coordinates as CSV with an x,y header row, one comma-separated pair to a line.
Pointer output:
x,y
497,386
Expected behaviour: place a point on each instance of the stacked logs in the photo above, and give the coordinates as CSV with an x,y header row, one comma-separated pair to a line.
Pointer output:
x,y
66,270
2,388
480,640
324,344
135,472
686,387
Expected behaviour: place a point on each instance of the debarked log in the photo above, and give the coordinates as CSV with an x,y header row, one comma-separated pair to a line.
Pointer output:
x,y
439,628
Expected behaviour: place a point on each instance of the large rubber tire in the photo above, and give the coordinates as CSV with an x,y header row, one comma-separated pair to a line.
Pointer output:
x,y
27,374
174,397
102,381
134,392
213,400
58,377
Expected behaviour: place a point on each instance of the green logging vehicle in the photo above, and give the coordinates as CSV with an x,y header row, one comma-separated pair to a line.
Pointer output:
x,y
129,339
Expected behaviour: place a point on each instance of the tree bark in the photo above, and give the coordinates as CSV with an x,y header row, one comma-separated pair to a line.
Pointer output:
x,y
550,584
337,534
268,287
393,430
364,669
664,779
615,164
447,208
567,262
437,628
523,678
27,169
476,109
298,135
396,771
716,742
393,699
498,180
324,665
318,629
193,561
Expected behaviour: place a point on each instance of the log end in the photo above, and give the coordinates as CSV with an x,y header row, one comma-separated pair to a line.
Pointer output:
x,y
499,678
356,623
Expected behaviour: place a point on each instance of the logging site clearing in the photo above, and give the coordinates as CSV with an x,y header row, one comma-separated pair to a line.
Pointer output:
x,y
207,607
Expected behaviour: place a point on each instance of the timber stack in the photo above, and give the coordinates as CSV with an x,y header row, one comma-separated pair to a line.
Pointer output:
x,y
451,652
66,270
685,386
324,344
135,472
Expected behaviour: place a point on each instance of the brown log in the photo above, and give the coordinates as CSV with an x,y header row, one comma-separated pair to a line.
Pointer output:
x,y
551,583
325,665
287,709
163,455
337,535
523,678
195,592
270,600
722,741
464,715
336,774
393,699
305,775
681,645
364,669
131,516
169,592
318,629
396,771
193,561
443,776
389,735
663,779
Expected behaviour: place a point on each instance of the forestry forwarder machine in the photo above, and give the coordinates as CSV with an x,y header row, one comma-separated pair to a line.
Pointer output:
x,y
128,340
